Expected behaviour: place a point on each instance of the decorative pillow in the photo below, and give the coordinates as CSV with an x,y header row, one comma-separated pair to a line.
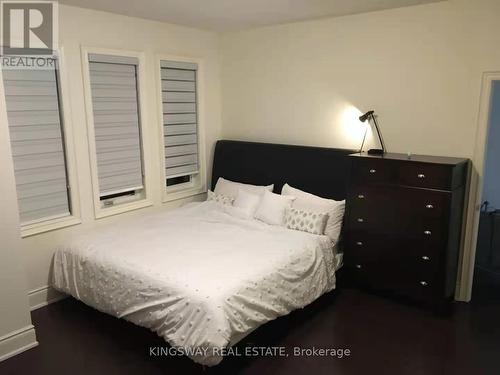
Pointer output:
x,y
272,208
310,202
220,198
246,203
306,221
230,188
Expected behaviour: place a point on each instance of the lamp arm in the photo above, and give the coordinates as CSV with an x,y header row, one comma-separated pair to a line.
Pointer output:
x,y
363,143
378,132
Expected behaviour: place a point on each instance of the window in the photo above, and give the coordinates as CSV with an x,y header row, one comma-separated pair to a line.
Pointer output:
x,y
116,118
179,100
37,140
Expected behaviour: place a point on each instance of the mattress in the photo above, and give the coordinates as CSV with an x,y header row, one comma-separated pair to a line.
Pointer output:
x,y
198,276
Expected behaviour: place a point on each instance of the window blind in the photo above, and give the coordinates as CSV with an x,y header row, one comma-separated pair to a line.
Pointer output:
x,y
180,122
113,82
33,112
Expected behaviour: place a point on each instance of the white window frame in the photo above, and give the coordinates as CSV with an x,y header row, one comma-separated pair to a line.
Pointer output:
x,y
146,200
198,184
74,218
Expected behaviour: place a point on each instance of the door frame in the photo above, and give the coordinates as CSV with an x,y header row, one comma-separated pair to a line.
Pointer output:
x,y
476,187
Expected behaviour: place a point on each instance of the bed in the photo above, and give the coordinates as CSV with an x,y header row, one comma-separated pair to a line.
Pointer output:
x,y
201,277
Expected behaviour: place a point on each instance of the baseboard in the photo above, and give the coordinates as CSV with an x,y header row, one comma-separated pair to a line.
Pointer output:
x,y
17,342
43,296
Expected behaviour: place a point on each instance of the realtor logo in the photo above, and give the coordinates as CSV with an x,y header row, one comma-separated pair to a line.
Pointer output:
x,y
28,27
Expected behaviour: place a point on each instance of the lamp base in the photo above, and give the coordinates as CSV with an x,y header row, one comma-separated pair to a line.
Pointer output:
x,y
375,151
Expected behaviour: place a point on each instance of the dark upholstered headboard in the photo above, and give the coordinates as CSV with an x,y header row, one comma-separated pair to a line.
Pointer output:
x,y
317,170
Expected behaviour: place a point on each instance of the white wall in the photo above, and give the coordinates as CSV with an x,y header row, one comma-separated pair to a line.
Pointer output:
x,y
16,331
491,186
419,67
99,29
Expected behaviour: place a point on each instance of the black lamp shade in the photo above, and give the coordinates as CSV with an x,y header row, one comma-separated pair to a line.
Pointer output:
x,y
366,116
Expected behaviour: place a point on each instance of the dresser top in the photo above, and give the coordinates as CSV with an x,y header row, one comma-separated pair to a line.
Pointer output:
x,y
444,160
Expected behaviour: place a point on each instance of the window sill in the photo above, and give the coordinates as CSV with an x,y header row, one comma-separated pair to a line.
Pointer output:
x,y
121,208
50,225
169,196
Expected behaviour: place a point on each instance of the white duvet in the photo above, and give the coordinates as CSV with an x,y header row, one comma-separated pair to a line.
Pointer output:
x,y
198,276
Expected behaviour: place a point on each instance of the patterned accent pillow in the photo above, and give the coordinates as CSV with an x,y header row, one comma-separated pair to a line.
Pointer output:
x,y
306,221
220,198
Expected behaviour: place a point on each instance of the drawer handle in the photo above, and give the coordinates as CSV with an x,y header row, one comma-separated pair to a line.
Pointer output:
x,y
426,258
361,196
427,232
373,170
423,283
429,206
421,175
360,220
359,266
359,243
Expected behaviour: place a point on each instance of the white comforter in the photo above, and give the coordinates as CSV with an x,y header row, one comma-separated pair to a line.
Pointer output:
x,y
198,276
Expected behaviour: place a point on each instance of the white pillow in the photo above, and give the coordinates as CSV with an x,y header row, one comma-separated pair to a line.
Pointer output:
x,y
230,188
306,221
246,204
310,202
219,198
272,208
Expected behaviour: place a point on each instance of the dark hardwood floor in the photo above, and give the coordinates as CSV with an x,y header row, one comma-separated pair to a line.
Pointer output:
x,y
384,337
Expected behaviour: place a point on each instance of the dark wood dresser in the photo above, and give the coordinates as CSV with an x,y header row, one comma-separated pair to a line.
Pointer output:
x,y
403,225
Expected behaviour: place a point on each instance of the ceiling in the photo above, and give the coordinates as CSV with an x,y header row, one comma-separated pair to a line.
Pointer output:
x,y
232,15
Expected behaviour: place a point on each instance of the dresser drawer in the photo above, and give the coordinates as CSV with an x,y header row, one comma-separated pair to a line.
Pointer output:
x,y
425,264
366,205
422,282
421,289
432,176
362,273
365,220
373,275
372,171
403,201
365,247
372,197
426,232
408,279
427,256
419,203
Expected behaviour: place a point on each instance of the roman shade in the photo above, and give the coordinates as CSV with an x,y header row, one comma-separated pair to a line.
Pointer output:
x,y
113,81
33,111
180,120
